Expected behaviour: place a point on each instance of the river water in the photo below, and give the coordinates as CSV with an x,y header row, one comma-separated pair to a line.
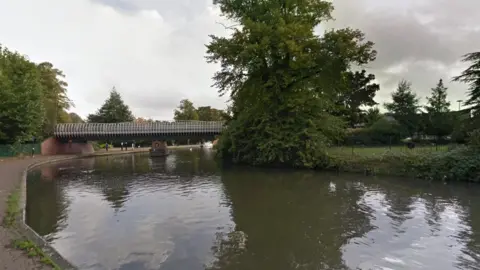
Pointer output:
x,y
183,212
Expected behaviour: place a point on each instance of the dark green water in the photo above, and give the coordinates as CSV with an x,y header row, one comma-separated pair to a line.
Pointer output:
x,y
132,212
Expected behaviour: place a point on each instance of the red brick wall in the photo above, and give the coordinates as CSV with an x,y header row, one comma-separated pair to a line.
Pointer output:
x,y
52,146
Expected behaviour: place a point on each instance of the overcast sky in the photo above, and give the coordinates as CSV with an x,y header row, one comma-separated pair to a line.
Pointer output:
x,y
153,51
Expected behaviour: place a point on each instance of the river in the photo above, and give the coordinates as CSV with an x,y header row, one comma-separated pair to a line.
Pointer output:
x,y
132,212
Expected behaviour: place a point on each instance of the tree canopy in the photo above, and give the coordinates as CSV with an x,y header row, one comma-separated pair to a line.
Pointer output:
x,y
359,91
471,76
404,107
33,98
186,111
281,78
438,109
21,92
114,110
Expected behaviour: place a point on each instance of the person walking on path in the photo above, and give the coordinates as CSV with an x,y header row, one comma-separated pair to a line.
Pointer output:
x,y
121,145
106,146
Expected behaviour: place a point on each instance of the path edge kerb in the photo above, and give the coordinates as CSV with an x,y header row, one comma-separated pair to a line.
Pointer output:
x,y
27,230
31,234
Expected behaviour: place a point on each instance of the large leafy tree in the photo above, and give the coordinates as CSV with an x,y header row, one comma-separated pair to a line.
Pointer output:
x,y
114,110
208,113
75,118
185,111
21,95
281,78
371,116
359,91
405,107
438,110
471,76
55,97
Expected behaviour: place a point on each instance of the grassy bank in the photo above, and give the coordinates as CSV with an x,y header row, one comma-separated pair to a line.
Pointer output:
x,y
430,163
13,209
32,250
382,150
12,213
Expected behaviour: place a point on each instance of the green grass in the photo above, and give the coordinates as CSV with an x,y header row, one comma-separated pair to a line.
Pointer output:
x,y
377,151
13,209
33,250
9,220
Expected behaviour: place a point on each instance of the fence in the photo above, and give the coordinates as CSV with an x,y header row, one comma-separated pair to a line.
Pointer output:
x,y
359,150
14,150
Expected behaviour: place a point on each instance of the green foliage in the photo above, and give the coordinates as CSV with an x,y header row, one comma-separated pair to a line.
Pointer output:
x,y
459,164
474,138
382,132
33,250
33,98
75,118
359,91
281,78
21,92
114,110
208,113
471,76
186,111
55,97
404,107
371,116
440,121
13,209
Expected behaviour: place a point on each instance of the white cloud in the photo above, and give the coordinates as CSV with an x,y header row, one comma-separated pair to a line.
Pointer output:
x,y
153,50
152,62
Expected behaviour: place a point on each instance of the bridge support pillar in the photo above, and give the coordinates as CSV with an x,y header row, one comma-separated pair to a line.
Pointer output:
x,y
53,146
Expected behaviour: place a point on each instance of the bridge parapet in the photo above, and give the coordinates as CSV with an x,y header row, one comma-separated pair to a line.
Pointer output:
x,y
78,130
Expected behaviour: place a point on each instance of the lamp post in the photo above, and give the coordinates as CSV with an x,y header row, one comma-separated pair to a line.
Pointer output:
x,y
459,103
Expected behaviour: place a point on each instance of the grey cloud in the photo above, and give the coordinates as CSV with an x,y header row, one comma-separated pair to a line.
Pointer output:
x,y
420,35
169,9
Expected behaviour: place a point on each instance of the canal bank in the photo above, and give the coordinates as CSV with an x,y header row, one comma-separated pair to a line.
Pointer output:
x,y
13,172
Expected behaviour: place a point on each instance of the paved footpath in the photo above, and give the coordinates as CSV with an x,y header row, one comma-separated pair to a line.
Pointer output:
x,y
11,170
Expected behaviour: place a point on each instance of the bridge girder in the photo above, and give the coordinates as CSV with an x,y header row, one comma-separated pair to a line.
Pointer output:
x,y
130,131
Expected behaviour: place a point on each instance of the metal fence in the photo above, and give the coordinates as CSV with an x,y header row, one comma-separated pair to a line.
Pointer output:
x,y
15,150
359,150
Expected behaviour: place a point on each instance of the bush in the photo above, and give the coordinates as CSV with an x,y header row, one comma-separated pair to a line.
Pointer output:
x,y
459,164
382,132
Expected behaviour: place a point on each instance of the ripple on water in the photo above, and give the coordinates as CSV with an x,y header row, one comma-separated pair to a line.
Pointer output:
x,y
183,213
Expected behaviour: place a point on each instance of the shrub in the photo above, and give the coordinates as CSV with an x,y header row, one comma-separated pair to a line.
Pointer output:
x,y
382,132
459,164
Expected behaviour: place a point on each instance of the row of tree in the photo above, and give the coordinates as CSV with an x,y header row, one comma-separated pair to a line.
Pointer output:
x,y
33,98
114,110
187,111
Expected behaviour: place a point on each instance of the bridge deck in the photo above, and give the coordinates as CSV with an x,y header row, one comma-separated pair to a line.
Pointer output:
x,y
165,128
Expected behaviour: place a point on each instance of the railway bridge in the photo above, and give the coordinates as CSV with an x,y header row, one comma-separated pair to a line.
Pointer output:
x,y
74,138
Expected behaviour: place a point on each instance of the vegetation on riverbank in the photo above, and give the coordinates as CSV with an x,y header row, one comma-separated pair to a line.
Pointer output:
x,y
459,163
12,212
295,94
13,209
32,250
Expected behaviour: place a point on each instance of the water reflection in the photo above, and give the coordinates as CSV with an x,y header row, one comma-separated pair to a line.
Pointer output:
x,y
183,212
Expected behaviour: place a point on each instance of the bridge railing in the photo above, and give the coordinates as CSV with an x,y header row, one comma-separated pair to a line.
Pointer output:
x,y
129,128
